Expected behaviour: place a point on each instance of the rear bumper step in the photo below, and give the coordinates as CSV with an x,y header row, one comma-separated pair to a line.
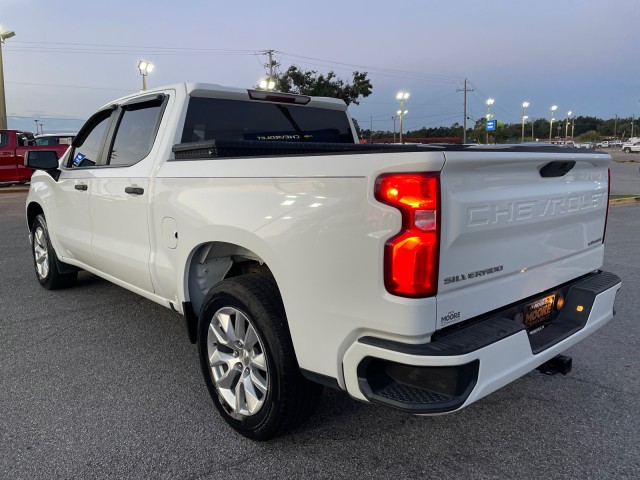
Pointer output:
x,y
462,364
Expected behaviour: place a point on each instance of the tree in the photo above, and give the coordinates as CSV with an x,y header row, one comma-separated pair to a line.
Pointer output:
x,y
308,82
590,136
357,125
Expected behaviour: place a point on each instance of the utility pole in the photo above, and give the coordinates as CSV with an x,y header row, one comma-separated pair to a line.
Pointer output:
x,y
464,123
615,128
36,126
270,84
632,118
371,130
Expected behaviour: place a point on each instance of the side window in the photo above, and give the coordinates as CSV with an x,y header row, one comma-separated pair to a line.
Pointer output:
x,y
136,132
87,149
4,139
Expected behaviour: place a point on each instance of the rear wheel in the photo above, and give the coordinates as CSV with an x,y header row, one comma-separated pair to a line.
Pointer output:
x,y
45,260
627,150
248,361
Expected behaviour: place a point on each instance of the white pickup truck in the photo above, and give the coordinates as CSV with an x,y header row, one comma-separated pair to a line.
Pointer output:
x,y
421,278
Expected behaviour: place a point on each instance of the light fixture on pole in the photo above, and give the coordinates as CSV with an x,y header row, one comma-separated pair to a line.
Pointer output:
x,y
524,117
267,84
3,106
489,103
402,96
573,126
566,130
145,68
551,119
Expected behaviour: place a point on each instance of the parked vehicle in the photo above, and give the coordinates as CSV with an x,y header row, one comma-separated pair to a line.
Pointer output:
x,y
13,145
585,145
54,138
417,277
604,144
631,147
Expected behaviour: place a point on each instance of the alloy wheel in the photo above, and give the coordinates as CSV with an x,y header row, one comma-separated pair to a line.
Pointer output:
x,y
41,253
237,362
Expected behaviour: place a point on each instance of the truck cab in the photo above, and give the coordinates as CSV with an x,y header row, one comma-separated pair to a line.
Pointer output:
x,y
13,146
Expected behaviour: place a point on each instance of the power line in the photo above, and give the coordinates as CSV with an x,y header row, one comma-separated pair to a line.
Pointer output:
x,y
417,75
50,117
138,47
69,86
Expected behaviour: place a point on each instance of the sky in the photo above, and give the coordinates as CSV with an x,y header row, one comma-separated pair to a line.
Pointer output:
x,y
69,57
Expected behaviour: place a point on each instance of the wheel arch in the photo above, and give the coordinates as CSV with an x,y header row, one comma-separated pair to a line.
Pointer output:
x,y
211,262
33,210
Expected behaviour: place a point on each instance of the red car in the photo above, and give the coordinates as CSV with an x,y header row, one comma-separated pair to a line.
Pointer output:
x,y
13,145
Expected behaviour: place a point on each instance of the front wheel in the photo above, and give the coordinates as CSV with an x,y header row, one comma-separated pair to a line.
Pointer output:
x,y
627,150
248,361
45,260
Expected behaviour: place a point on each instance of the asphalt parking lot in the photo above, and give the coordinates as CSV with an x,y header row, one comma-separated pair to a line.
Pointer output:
x,y
97,382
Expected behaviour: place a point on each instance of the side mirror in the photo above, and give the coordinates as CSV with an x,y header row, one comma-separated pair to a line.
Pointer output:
x,y
41,159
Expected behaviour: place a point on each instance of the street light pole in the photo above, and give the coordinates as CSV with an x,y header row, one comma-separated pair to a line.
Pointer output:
x,y
524,117
533,137
401,114
145,68
3,105
566,130
393,117
573,127
402,96
551,119
489,103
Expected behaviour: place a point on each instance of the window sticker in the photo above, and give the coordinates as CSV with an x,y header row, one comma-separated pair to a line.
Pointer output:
x,y
78,158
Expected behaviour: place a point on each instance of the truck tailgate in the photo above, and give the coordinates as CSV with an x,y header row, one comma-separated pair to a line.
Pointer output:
x,y
509,232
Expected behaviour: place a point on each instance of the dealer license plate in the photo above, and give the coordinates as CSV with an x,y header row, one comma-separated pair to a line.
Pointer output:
x,y
538,312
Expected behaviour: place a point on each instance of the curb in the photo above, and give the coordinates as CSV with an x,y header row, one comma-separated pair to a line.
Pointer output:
x,y
623,201
14,189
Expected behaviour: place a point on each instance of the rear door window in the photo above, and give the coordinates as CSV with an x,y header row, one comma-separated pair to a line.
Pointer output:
x,y
136,132
222,119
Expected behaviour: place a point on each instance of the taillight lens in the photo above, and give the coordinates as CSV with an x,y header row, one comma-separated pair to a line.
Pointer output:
x,y
411,257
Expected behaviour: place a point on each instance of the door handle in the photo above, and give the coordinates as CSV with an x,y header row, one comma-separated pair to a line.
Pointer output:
x,y
134,190
80,186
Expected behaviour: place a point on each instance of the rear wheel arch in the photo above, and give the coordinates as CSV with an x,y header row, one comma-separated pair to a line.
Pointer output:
x,y
212,262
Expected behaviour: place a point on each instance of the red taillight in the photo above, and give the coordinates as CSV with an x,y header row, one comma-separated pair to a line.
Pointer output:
x,y
606,216
411,257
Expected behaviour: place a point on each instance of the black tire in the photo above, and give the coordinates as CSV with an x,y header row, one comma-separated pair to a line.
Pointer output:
x,y
45,260
290,399
627,150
